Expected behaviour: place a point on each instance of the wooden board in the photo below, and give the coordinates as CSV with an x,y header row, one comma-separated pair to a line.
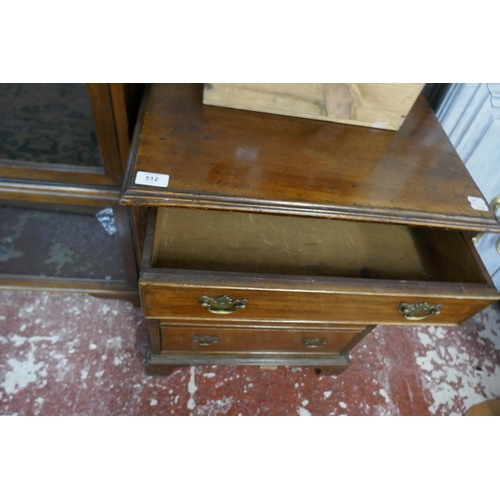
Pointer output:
x,y
378,105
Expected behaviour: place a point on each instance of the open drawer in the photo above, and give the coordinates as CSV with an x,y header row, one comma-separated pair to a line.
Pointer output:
x,y
250,268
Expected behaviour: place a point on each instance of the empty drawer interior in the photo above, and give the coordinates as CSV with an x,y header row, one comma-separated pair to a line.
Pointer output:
x,y
218,240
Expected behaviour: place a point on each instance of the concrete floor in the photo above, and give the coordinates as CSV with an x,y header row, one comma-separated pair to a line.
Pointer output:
x,y
73,354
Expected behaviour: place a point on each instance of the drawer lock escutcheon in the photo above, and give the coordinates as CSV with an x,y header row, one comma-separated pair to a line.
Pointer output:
x,y
416,312
222,305
205,340
313,342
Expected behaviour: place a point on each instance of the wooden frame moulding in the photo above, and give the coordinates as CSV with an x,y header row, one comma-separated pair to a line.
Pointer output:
x,y
47,195
98,288
114,108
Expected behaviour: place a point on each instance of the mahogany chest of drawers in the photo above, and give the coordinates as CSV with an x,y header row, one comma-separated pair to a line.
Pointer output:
x,y
281,240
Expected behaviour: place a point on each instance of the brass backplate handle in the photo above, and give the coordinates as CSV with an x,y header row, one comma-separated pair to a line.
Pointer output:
x,y
205,340
313,342
417,312
222,305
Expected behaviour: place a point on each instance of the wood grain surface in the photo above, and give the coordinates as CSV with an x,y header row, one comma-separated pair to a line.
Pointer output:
x,y
171,294
356,287
20,190
218,240
378,105
233,159
264,341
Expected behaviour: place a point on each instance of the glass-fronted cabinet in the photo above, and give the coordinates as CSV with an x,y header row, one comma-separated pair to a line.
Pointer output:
x,y
63,148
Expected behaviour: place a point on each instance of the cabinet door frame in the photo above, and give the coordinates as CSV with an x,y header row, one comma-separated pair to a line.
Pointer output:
x,y
107,125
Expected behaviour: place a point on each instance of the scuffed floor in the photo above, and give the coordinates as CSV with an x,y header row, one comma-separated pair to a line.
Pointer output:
x,y
73,354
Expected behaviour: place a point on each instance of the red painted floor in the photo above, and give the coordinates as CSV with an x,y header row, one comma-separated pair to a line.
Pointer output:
x,y
73,354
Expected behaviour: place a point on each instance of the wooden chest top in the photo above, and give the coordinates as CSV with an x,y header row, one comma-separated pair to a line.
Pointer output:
x,y
231,159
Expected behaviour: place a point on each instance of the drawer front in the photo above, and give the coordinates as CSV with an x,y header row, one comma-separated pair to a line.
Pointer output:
x,y
257,340
184,295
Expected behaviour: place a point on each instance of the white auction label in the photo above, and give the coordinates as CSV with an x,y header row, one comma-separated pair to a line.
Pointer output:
x,y
151,179
478,203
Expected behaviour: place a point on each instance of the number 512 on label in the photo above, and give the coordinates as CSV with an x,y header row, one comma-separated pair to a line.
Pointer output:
x,y
152,179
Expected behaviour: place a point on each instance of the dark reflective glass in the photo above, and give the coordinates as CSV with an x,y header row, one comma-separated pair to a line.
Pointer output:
x,y
74,242
48,123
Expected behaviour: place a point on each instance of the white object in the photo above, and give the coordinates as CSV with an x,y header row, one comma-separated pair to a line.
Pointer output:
x,y
478,203
152,179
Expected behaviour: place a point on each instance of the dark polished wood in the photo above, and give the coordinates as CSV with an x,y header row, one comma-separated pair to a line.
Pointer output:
x,y
134,143
172,295
106,130
241,160
339,363
277,326
387,221
53,173
450,275
126,99
206,340
155,337
125,237
58,193
139,216
139,219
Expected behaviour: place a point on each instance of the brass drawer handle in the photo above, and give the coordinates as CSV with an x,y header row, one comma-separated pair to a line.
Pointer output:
x,y
205,340
416,312
313,342
222,305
